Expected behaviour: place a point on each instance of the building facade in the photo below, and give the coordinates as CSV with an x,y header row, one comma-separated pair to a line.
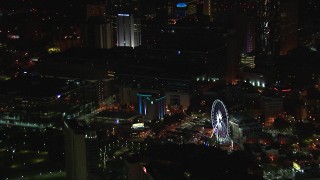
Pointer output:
x,y
128,30
288,26
97,32
272,107
41,102
241,126
151,105
81,151
267,37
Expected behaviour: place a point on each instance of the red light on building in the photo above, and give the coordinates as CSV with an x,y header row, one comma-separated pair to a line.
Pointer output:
x,y
286,90
283,90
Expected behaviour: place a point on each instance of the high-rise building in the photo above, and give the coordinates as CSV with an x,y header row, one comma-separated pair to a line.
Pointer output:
x,y
81,151
128,30
233,57
247,60
288,25
97,30
272,107
192,7
96,10
98,35
250,40
103,36
180,9
268,28
309,21
277,29
207,8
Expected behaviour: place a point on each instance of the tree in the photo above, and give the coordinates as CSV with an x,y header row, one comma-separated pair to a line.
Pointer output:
x,y
280,124
304,130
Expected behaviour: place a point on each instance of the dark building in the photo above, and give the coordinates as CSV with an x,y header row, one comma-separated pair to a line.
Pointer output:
x,y
181,9
41,102
288,26
250,38
309,22
277,30
81,147
267,31
97,32
241,126
233,58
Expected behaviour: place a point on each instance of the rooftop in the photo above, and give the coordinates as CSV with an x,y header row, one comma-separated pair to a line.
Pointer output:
x,y
35,87
242,119
122,115
75,125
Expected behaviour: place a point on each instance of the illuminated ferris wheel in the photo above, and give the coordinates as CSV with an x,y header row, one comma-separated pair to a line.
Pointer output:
x,y
219,119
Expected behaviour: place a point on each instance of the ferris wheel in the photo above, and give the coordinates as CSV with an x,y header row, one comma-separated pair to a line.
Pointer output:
x,y
219,120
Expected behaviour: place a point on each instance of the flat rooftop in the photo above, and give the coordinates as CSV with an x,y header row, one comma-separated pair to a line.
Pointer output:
x,y
125,62
36,87
121,115
76,125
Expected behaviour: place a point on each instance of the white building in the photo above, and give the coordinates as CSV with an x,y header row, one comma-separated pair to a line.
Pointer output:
x,y
128,30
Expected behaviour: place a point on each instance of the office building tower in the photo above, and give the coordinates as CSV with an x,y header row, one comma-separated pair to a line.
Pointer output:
x,y
192,7
207,9
288,25
267,29
277,30
96,10
97,32
250,35
180,9
233,57
128,30
81,151
103,36
98,35
247,60
309,21
272,107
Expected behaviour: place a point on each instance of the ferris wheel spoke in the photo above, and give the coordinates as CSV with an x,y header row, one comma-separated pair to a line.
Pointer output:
x,y
219,118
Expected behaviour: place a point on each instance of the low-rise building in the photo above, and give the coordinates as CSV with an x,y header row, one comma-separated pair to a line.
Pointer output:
x,y
241,126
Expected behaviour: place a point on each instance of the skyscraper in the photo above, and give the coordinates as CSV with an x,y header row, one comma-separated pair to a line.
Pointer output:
x,y
97,30
267,28
250,35
128,30
81,151
277,29
104,36
288,25
207,9
180,9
